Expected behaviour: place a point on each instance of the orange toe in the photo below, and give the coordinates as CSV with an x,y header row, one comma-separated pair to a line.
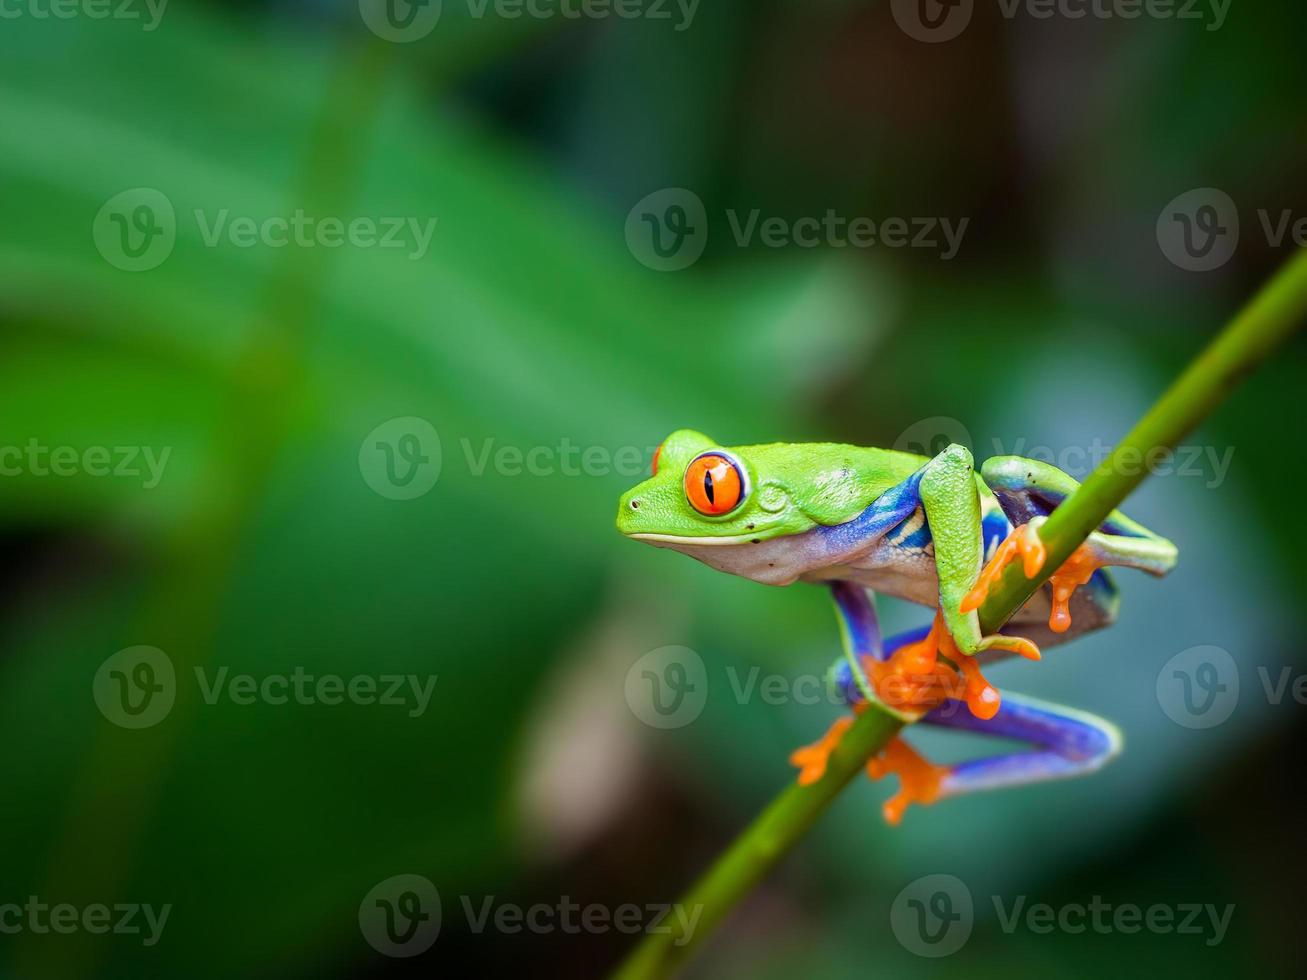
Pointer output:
x,y
812,759
981,697
919,780
1023,540
1075,572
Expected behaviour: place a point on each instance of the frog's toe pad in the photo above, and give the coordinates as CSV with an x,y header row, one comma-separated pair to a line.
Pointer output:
x,y
1075,572
920,781
811,759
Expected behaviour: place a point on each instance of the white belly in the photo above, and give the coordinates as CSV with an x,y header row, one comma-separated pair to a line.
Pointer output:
x,y
889,570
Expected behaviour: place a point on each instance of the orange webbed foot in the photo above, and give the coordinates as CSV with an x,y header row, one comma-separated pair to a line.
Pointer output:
x,y
915,678
923,675
919,780
1023,540
812,759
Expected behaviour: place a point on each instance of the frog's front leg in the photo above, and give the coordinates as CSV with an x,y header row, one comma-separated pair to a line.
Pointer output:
x,y
951,499
1066,743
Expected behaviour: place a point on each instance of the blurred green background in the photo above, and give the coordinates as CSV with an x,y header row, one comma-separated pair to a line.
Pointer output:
x,y
276,539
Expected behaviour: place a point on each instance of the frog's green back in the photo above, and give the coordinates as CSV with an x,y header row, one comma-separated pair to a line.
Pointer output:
x,y
830,482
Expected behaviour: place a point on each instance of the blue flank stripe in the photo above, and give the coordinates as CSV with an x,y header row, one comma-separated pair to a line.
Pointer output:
x,y
885,512
994,527
918,539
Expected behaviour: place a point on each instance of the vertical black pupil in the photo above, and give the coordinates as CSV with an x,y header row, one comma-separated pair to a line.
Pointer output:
x,y
707,486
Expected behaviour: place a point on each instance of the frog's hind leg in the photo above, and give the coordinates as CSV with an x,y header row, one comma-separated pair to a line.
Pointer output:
x,y
1064,743
1028,491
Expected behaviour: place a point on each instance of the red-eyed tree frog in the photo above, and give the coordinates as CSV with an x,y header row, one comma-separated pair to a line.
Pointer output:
x,y
931,531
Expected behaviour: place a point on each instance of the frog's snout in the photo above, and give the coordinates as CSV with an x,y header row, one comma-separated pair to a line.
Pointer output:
x,y
628,512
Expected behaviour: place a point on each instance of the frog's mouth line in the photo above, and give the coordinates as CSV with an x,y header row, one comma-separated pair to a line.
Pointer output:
x,y
680,539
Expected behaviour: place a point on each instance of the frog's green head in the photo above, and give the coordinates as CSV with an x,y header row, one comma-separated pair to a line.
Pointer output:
x,y
741,509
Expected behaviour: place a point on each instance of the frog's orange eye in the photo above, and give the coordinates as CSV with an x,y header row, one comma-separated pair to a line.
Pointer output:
x,y
657,452
714,484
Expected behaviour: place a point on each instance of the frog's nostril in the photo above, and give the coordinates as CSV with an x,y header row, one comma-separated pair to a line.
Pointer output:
x,y
635,504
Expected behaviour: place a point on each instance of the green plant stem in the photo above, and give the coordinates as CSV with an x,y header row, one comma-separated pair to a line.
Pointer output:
x,y
1273,314
1264,323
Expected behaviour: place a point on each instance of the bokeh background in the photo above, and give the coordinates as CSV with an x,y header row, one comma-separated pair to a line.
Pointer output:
x,y
279,537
